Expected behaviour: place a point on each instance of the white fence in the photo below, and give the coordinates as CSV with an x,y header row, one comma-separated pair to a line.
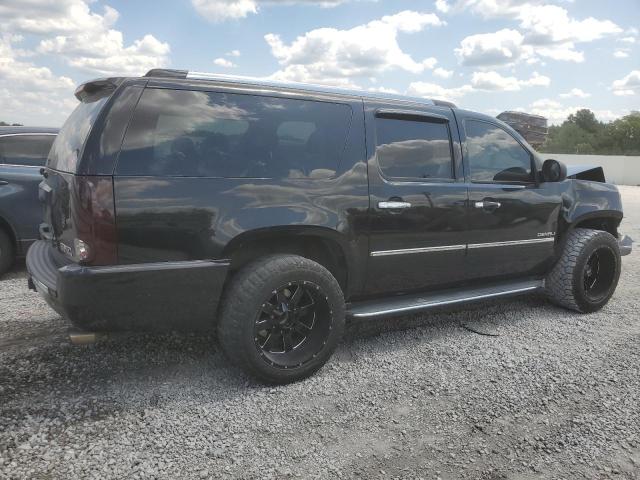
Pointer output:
x,y
618,169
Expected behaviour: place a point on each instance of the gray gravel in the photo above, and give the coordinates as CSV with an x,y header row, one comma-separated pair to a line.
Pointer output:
x,y
554,395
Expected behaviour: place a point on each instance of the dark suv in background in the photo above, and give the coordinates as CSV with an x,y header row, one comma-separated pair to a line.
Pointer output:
x,y
23,152
274,211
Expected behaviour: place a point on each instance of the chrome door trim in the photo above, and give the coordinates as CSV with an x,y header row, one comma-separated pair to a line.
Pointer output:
x,y
394,205
443,248
21,166
511,243
27,134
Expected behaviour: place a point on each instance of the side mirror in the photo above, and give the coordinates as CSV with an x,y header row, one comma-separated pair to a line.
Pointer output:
x,y
553,171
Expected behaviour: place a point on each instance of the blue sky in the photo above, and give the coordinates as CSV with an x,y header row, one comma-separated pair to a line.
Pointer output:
x,y
546,57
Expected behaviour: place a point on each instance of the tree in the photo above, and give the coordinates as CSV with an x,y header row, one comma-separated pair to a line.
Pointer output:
x,y
586,120
583,133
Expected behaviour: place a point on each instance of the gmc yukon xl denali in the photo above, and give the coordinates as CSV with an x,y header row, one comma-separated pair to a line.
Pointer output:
x,y
273,211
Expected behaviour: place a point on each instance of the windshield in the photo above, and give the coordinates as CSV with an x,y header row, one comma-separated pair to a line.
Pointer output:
x,y
68,145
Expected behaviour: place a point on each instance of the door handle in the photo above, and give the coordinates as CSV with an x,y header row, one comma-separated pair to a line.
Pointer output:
x,y
394,205
488,205
3,182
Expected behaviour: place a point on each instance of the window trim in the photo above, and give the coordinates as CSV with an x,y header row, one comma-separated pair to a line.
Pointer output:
x,y
25,134
420,117
467,163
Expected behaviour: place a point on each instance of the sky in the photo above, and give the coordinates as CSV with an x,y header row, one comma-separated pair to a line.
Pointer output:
x,y
548,57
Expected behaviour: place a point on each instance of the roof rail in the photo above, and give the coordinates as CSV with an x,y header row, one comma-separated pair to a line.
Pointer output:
x,y
166,72
184,74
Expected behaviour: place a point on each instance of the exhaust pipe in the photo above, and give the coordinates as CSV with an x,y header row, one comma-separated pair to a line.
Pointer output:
x,y
84,338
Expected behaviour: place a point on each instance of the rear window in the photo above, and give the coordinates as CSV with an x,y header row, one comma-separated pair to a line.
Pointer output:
x,y
211,134
68,145
28,150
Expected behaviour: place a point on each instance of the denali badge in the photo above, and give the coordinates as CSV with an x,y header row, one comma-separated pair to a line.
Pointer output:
x,y
547,234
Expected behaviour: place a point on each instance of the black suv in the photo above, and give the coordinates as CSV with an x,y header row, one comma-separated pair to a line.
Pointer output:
x,y
23,152
179,199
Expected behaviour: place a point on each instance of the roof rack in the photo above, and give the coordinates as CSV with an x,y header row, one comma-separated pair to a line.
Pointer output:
x,y
218,77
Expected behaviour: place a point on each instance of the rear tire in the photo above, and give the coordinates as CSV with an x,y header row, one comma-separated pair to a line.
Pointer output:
x,y
587,273
281,318
7,252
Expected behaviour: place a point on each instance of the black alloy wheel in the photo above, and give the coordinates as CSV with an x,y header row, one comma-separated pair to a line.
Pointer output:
x,y
293,324
281,318
599,273
586,275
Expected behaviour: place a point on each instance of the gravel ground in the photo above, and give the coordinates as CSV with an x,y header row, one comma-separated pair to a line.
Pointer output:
x,y
554,395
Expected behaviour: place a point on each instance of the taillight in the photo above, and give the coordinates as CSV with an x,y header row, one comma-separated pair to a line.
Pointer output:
x,y
94,221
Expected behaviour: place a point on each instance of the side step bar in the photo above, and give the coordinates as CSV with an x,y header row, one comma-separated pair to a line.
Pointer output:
x,y
423,301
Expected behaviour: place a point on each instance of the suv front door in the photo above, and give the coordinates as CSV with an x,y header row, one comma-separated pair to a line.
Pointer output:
x,y
512,218
417,198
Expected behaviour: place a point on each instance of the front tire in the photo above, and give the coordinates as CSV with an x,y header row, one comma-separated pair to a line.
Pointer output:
x,y
587,273
7,252
281,318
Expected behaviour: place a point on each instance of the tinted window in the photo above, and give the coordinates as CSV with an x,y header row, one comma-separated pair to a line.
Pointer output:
x,y
29,150
70,140
205,134
494,155
413,149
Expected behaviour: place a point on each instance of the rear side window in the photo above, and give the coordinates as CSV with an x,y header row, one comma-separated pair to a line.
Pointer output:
x,y
70,141
494,155
29,150
210,134
413,149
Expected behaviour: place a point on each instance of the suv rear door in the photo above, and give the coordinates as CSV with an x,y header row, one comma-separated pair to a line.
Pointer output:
x,y
417,198
512,218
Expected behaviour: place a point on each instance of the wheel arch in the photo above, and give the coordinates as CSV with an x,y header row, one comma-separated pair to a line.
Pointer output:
x,y
323,245
8,228
605,220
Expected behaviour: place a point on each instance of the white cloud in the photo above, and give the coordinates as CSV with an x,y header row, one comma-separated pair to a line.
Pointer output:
x,y
547,24
442,6
30,94
223,62
432,90
575,93
233,53
494,81
81,37
621,53
443,73
332,56
545,30
628,85
628,39
221,10
556,113
499,48
104,52
564,52
480,81
383,90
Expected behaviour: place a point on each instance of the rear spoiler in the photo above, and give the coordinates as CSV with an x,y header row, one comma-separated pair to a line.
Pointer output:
x,y
98,88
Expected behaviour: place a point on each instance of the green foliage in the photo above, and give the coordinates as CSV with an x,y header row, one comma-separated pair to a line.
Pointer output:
x,y
583,133
5,124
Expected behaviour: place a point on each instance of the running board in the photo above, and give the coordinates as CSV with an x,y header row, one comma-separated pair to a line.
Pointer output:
x,y
424,301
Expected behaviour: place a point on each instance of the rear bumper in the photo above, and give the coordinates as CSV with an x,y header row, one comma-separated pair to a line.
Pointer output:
x,y
625,243
147,296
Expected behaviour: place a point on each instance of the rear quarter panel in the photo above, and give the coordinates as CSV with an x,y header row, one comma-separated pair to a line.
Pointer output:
x,y
195,218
